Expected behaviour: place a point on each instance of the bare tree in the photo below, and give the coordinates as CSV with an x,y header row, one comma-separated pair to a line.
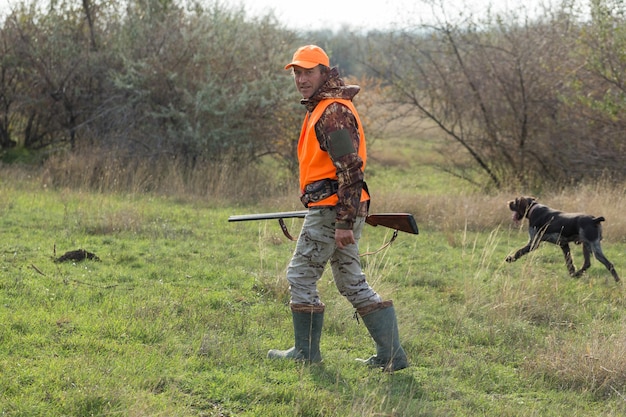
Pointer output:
x,y
495,86
9,82
61,77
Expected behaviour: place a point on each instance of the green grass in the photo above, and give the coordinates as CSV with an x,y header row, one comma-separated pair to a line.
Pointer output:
x,y
177,317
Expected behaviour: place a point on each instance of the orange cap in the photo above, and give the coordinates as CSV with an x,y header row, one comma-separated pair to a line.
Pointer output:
x,y
309,56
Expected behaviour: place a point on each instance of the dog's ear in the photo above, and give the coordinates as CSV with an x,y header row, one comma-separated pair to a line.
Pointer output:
x,y
527,200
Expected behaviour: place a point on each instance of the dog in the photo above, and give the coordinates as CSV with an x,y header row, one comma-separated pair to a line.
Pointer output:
x,y
548,225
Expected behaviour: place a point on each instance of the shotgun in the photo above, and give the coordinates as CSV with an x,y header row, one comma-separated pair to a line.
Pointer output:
x,y
403,222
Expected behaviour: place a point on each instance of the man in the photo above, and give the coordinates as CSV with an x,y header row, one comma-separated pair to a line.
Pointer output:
x,y
332,157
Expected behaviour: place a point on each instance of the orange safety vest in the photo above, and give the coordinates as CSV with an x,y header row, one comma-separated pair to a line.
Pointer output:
x,y
315,164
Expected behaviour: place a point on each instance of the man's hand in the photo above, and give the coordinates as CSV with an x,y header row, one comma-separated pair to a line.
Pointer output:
x,y
344,237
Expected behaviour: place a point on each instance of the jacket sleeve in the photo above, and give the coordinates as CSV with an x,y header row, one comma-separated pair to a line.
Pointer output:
x,y
338,134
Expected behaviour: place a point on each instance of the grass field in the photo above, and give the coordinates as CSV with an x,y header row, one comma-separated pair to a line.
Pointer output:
x,y
177,316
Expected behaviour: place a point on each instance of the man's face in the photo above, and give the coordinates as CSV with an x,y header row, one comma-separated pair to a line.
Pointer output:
x,y
308,80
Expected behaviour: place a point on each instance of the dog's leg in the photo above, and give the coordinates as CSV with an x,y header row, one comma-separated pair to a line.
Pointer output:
x,y
587,257
568,259
597,252
533,243
518,254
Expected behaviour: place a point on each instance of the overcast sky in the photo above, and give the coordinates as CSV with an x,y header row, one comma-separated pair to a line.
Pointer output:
x,y
358,14
362,14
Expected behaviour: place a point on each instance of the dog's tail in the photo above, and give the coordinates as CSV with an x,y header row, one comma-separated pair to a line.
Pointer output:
x,y
597,220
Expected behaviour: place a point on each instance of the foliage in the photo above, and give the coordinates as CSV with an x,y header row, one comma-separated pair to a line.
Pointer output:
x,y
599,86
149,77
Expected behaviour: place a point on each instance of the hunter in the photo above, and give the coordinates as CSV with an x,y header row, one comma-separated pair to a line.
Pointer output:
x,y
332,158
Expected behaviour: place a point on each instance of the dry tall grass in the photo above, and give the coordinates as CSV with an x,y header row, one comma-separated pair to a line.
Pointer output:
x,y
111,171
478,212
223,183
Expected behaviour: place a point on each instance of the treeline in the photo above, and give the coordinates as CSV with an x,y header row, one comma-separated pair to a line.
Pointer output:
x,y
145,78
530,100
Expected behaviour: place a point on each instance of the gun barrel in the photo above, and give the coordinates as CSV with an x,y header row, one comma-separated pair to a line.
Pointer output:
x,y
268,216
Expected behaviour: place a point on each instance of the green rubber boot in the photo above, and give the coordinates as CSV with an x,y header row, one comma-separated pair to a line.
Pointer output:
x,y
380,320
307,326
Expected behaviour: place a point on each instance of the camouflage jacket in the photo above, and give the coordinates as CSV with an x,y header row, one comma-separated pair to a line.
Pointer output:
x,y
349,167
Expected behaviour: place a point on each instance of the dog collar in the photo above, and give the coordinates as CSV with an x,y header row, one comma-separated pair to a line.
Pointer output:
x,y
530,210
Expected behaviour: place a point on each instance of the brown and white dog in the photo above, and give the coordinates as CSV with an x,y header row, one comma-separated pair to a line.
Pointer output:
x,y
548,225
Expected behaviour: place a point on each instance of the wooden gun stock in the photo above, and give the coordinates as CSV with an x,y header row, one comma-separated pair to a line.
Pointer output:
x,y
403,222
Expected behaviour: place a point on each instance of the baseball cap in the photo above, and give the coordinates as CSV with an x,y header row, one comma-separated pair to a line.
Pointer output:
x,y
309,56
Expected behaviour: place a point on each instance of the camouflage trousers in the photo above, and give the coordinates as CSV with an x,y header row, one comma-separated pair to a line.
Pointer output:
x,y
315,248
